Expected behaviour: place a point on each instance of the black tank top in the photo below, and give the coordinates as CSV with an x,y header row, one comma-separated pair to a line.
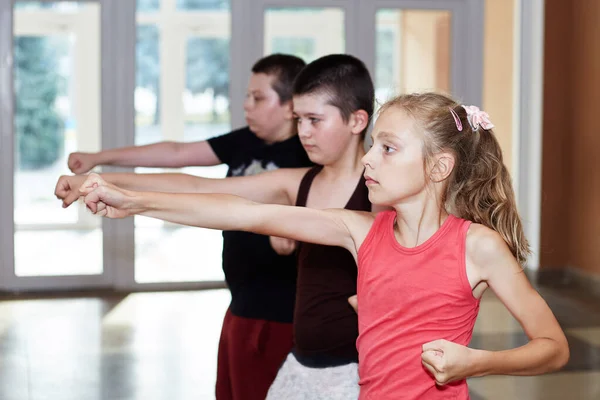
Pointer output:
x,y
325,325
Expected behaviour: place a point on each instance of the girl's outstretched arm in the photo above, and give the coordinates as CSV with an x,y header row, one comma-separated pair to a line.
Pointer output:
x,y
489,260
222,211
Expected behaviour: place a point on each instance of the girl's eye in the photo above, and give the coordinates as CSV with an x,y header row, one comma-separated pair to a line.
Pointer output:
x,y
314,120
387,149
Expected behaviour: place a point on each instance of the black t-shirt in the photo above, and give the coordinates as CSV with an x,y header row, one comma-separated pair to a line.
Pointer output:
x,y
262,283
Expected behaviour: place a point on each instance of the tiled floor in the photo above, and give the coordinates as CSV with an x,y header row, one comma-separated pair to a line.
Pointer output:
x,y
145,346
159,346
579,316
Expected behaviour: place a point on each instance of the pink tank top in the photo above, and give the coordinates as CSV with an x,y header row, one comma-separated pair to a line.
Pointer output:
x,y
408,297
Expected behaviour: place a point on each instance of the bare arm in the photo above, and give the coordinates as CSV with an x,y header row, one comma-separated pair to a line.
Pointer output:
x,y
548,349
489,261
221,211
275,187
163,154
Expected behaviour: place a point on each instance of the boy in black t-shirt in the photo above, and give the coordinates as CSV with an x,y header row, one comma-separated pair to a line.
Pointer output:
x,y
260,272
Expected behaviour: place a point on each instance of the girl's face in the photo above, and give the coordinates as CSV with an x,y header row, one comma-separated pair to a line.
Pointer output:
x,y
394,166
264,114
321,129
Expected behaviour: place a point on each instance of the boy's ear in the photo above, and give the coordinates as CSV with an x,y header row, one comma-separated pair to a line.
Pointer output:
x,y
288,108
359,120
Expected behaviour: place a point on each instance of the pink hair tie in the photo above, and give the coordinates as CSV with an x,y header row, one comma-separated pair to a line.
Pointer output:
x,y
456,119
478,118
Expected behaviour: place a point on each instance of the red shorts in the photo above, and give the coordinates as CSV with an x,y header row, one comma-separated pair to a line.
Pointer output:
x,y
250,354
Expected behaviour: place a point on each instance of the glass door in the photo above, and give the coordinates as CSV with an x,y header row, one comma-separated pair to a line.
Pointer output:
x,y
307,29
306,32
424,45
182,95
55,87
412,51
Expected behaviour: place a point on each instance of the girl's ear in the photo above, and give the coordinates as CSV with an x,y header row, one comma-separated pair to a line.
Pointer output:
x,y
442,167
359,120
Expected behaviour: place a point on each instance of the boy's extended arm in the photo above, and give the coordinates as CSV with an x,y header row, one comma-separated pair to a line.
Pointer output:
x,y
274,187
160,155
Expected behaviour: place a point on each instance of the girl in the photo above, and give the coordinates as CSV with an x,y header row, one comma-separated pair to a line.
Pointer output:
x,y
454,231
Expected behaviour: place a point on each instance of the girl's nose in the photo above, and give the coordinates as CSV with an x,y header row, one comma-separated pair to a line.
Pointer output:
x,y
367,159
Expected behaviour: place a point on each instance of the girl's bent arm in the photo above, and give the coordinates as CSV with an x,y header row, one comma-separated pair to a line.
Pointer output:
x,y
548,348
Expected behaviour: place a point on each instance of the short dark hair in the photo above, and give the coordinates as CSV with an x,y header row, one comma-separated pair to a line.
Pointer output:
x,y
344,78
284,68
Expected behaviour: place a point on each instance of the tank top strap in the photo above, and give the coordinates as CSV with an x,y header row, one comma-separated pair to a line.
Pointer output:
x,y
463,229
305,184
457,233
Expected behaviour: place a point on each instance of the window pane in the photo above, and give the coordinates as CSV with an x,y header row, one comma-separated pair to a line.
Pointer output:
x,y
62,6
301,47
203,4
147,90
195,77
148,5
412,52
206,96
57,111
308,33
44,125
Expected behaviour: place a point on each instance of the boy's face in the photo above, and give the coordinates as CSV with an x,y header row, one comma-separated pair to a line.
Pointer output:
x,y
321,129
264,114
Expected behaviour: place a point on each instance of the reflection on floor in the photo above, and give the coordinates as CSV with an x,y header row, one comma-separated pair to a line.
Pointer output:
x,y
579,315
163,346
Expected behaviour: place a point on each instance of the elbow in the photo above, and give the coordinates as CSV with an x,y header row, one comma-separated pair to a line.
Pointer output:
x,y
177,158
562,356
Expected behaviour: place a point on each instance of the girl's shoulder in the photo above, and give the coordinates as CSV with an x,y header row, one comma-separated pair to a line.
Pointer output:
x,y
484,240
484,247
363,219
481,237
365,225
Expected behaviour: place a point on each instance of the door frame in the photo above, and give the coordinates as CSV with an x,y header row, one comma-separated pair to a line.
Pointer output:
x,y
528,137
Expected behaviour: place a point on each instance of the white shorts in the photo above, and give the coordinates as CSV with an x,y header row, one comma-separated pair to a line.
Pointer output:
x,y
295,381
